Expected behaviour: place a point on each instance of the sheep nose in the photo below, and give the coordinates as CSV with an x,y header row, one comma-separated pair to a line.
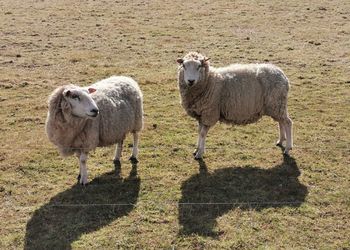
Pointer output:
x,y
94,111
190,82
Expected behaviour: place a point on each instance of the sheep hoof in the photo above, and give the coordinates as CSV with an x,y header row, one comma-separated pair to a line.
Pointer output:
x,y
198,158
195,152
133,159
279,144
117,163
117,167
286,151
83,181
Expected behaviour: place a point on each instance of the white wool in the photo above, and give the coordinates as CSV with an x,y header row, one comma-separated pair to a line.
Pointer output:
x,y
119,102
237,94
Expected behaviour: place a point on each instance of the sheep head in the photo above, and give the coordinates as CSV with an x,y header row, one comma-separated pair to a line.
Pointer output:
x,y
194,67
79,102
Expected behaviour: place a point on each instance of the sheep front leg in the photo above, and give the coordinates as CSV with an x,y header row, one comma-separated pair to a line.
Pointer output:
x,y
83,169
203,131
198,141
135,149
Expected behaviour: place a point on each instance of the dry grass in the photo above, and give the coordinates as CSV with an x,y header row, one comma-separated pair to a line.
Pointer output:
x,y
264,201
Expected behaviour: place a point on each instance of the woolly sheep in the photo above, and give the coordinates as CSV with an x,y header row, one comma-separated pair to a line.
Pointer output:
x,y
237,94
81,119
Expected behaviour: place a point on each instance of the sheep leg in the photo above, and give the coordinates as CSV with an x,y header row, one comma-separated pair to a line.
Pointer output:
x,y
118,154
199,131
83,169
79,175
201,142
288,125
135,149
282,137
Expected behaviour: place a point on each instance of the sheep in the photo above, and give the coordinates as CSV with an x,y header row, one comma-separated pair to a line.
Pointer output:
x,y
80,119
238,94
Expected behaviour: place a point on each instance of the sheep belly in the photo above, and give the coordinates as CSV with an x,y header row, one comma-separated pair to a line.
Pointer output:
x,y
242,100
115,122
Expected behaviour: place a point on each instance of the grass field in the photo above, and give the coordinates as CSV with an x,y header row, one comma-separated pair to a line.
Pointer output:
x,y
244,195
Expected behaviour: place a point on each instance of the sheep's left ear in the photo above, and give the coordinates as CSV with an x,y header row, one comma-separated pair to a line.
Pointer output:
x,y
91,90
180,61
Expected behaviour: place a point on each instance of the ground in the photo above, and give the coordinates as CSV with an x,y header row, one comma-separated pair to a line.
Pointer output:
x,y
244,195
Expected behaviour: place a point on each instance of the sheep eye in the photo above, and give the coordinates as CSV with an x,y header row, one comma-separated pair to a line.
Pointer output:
x,y
74,96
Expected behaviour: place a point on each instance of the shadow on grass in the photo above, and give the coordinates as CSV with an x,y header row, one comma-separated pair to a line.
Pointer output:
x,y
206,196
80,210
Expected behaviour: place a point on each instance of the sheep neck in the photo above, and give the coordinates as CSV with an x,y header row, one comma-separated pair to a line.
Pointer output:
x,y
66,124
202,91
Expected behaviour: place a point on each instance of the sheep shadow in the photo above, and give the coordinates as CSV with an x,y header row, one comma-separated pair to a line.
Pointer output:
x,y
206,196
80,210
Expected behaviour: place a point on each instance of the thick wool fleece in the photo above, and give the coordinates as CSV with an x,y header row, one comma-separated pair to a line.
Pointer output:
x,y
119,100
237,94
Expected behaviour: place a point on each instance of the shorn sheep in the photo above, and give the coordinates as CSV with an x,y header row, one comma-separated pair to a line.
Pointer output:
x,y
238,94
83,118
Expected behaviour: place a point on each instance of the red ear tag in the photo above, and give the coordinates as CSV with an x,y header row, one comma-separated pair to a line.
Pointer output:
x,y
91,90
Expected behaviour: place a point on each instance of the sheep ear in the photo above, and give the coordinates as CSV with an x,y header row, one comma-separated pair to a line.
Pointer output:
x,y
91,90
204,61
180,61
66,92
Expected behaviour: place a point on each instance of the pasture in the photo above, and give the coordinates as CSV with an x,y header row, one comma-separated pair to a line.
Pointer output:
x,y
243,195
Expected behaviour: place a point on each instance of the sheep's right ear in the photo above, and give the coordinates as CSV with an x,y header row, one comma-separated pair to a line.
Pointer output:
x,y
180,61
66,93
205,61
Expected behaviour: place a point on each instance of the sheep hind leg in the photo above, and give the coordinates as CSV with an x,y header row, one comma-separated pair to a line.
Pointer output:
x,y
288,125
118,154
282,136
135,149
201,142
79,175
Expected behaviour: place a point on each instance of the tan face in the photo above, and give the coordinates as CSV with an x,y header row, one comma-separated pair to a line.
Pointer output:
x,y
81,102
